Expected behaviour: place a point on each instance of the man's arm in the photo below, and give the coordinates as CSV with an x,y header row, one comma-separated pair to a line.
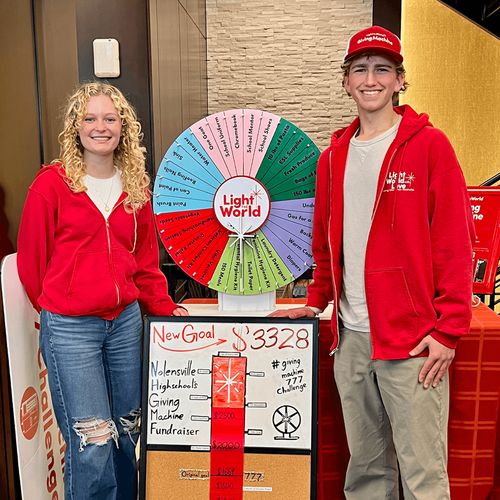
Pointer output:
x,y
452,235
294,313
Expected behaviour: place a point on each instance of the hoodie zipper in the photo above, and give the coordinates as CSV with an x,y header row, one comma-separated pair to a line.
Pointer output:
x,y
334,347
110,256
377,201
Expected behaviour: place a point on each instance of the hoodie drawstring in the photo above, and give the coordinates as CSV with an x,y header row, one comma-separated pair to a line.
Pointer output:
x,y
135,232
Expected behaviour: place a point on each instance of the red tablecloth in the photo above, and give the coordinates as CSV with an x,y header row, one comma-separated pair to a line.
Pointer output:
x,y
474,426
474,430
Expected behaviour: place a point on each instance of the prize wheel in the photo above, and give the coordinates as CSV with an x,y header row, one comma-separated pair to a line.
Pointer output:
x,y
234,198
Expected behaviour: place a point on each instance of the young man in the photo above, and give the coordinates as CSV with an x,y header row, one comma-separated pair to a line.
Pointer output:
x,y
392,242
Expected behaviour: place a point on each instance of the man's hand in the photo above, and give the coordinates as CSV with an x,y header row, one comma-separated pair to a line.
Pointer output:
x,y
294,313
436,365
180,311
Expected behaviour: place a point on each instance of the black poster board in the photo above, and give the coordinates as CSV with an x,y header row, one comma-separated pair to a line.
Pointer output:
x,y
206,377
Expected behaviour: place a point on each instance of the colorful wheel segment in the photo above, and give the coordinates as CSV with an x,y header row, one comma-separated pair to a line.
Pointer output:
x,y
234,199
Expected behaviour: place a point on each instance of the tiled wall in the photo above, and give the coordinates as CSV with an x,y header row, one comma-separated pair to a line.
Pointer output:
x,y
283,56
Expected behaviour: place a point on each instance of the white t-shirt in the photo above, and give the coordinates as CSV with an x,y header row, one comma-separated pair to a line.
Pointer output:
x,y
104,192
364,161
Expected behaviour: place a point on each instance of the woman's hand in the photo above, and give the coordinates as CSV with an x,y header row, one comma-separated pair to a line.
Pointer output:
x,y
180,311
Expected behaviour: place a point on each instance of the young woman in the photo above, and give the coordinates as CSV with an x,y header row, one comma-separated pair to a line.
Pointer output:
x,y
88,259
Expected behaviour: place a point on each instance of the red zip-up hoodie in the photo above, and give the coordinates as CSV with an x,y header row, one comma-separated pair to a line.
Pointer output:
x,y
418,263
72,261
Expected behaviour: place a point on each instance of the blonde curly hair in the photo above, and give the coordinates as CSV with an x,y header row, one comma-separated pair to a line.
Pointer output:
x,y
129,156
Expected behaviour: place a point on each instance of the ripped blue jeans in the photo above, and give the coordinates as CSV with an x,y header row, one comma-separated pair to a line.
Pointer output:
x,y
94,368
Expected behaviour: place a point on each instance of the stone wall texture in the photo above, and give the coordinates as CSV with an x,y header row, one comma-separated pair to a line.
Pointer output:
x,y
283,56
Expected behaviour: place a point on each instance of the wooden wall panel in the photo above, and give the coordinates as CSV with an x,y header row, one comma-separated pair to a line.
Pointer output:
x,y
19,140
127,21
178,68
203,82
58,66
197,12
387,13
19,162
184,43
165,74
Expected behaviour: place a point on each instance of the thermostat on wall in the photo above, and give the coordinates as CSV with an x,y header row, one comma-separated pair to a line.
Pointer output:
x,y
106,58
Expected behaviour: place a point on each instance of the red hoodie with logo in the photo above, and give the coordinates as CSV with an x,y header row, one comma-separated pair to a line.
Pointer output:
x,y
73,261
418,263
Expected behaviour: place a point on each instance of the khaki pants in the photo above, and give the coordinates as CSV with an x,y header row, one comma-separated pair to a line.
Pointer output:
x,y
389,419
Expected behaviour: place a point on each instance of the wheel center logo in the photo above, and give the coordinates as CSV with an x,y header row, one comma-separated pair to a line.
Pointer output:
x,y
242,204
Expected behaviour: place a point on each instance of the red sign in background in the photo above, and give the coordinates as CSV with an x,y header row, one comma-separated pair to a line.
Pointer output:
x,y
485,205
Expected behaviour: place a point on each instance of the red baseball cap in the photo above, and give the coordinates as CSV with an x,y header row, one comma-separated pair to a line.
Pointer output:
x,y
377,39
